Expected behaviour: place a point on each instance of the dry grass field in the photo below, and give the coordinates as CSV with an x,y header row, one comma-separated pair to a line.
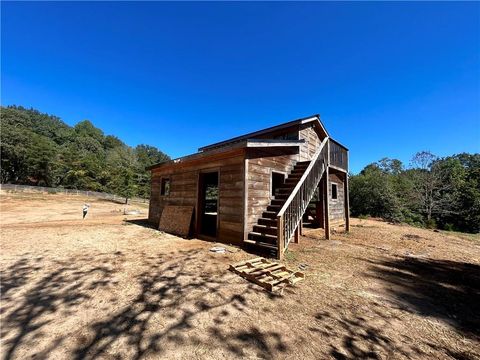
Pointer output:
x,y
110,287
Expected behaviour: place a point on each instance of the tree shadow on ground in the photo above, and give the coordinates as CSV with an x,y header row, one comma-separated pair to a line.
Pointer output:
x,y
368,332
446,290
25,314
359,334
17,275
174,296
178,295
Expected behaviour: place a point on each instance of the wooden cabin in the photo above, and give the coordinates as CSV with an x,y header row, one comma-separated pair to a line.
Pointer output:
x,y
256,190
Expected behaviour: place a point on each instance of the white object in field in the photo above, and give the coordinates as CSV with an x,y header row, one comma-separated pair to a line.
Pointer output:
x,y
218,250
85,209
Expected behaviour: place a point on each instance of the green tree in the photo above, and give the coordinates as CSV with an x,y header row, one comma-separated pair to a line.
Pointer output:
x,y
443,192
38,148
124,167
372,193
41,156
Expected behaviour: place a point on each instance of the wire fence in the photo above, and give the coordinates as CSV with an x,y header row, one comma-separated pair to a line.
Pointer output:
x,y
51,190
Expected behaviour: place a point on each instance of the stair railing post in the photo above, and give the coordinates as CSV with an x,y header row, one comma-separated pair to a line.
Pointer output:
x,y
280,237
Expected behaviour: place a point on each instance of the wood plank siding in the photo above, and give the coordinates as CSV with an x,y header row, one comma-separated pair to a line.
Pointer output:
x,y
184,191
260,166
312,141
337,207
305,132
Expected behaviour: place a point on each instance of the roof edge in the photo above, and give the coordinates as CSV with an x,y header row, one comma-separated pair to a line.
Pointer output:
x,y
263,131
247,143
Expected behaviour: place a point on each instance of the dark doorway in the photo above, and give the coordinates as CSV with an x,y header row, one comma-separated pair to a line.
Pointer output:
x,y
278,180
208,204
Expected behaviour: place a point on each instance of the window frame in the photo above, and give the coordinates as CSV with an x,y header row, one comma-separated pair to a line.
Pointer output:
x,y
163,182
336,191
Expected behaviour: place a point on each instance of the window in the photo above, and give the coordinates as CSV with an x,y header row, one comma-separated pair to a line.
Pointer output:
x,y
334,191
165,188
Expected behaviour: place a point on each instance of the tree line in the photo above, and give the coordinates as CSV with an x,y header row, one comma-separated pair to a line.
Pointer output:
x,y
40,149
431,192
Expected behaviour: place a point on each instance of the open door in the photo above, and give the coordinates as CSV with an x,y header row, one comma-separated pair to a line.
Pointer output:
x,y
208,204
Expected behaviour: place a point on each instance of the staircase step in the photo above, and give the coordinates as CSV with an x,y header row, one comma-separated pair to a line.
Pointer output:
x,y
262,229
266,246
299,170
291,181
277,202
275,208
287,189
264,238
269,214
303,163
268,222
282,196
296,175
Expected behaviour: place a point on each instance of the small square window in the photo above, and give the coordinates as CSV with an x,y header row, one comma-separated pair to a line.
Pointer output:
x,y
165,188
334,191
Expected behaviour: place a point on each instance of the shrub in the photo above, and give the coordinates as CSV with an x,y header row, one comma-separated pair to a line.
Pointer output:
x,y
449,227
431,224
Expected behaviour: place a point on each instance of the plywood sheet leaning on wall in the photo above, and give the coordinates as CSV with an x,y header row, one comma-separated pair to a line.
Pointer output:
x,y
176,220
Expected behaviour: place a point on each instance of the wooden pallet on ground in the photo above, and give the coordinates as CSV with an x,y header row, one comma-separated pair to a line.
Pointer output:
x,y
270,275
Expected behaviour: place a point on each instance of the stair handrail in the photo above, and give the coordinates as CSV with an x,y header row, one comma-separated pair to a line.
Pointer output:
x,y
304,176
285,233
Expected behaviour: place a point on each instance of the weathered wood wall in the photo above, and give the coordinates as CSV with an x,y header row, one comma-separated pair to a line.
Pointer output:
x,y
154,209
337,207
259,167
312,142
231,206
306,132
184,191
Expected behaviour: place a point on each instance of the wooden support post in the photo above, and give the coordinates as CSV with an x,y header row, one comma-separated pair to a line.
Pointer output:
x,y
319,208
301,227
326,200
280,239
347,203
296,234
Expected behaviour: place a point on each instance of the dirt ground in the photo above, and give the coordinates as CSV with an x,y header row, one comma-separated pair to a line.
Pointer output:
x,y
111,287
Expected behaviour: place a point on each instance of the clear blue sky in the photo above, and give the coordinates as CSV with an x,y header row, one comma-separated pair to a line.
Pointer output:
x,y
389,79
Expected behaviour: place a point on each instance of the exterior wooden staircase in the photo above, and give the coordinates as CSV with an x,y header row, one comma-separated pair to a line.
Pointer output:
x,y
264,234
275,228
